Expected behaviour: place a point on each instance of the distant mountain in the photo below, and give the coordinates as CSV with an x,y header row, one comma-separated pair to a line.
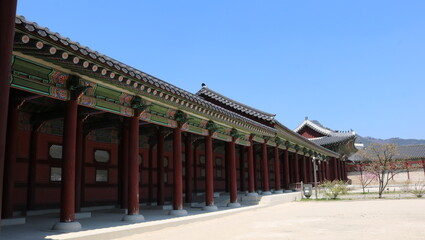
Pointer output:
x,y
399,141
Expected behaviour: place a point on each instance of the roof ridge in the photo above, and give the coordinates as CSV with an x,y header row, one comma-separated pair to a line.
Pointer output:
x,y
322,129
56,37
204,89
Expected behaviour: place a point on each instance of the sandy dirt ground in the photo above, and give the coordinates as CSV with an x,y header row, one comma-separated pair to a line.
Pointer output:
x,y
370,219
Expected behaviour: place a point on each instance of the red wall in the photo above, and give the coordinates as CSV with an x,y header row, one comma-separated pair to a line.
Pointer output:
x,y
47,193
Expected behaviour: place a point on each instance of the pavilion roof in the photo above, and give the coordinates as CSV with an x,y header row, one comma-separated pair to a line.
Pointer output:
x,y
326,140
205,91
316,126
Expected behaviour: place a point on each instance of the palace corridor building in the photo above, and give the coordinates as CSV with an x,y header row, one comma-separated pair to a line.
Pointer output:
x,y
86,130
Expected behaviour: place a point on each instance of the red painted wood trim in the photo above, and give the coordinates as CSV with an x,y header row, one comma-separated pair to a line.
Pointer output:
x,y
251,179
232,172
68,162
209,175
7,29
133,166
177,166
160,168
265,164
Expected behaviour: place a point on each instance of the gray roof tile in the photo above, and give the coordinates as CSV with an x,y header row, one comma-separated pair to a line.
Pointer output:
x,y
204,91
405,151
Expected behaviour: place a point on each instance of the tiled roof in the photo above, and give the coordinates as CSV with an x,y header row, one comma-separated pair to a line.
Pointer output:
x,y
137,75
330,139
315,125
406,151
128,70
204,91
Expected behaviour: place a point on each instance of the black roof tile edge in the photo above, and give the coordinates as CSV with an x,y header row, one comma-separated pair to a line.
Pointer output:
x,y
235,104
119,66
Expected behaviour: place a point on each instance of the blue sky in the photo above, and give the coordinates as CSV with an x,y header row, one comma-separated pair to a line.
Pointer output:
x,y
355,64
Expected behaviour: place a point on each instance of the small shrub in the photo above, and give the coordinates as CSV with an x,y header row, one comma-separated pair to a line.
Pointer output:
x,y
405,187
418,189
334,189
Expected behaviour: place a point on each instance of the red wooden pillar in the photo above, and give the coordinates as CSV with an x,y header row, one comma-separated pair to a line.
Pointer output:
x,y
189,168
277,173
133,212
32,167
232,172
328,171
334,169
150,174
345,171
305,177
297,171
67,215
160,167
265,162
301,167
177,174
339,170
124,162
7,29
242,167
209,175
287,178
309,170
10,160
195,168
251,177
227,167
330,167
79,164
319,171
310,163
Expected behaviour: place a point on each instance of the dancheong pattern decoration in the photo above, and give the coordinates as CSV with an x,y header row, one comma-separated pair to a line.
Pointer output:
x,y
58,78
111,86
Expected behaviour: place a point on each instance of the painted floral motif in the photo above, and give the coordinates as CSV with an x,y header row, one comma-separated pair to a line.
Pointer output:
x,y
87,101
204,123
185,127
145,116
127,111
205,132
171,112
125,98
58,78
59,93
172,123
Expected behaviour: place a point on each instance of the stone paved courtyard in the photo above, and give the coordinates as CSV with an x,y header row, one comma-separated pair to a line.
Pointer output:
x,y
320,220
